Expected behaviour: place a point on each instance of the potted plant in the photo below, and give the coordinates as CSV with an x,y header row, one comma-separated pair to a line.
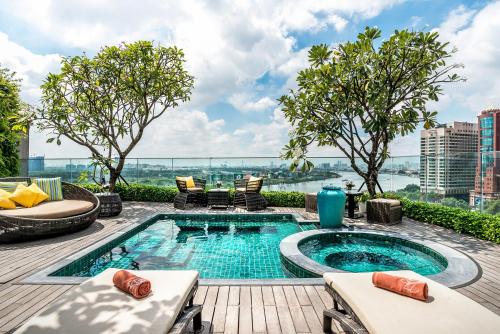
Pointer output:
x,y
106,102
349,185
362,199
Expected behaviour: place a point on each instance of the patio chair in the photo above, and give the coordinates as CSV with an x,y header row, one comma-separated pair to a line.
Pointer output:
x,y
247,193
360,307
97,306
195,195
78,210
384,211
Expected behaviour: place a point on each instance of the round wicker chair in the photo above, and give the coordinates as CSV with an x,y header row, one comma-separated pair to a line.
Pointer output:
x,y
17,229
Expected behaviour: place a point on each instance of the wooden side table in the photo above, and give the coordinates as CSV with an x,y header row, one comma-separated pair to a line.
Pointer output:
x,y
218,197
311,202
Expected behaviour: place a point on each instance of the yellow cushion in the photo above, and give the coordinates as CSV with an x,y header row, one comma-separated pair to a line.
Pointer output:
x,y
28,196
5,202
42,195
189,181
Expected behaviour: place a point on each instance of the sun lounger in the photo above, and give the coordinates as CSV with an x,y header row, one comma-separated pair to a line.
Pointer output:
x,y
362,308
97,306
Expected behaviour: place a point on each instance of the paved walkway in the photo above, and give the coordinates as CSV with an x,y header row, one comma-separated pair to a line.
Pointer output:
x,y
235,309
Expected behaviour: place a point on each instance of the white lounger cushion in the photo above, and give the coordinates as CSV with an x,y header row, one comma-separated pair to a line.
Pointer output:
x,y
97,306
385,312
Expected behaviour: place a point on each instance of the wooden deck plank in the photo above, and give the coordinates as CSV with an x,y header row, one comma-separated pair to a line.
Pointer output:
x,y
302,295
232,317
258,315
267,295
245,320
245,296
234,296
219,319
272,320
279,296
200,295
291,298
256,296
316,301
312,320
285,319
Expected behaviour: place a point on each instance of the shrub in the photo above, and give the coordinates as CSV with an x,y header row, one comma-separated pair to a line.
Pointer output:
x,y
293,199
479,225
141,192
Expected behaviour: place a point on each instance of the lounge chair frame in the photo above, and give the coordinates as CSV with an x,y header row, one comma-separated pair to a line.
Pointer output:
x,y
190,312
250,198
18,229
343,314
185,195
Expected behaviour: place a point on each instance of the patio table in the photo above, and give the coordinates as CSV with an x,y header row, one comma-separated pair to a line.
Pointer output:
x,y
218,197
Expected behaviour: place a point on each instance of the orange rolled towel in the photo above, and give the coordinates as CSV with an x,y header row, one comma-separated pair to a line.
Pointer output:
x,y
136,286
401,285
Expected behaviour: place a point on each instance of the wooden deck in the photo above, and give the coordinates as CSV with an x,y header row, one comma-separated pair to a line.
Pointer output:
x,y
235,309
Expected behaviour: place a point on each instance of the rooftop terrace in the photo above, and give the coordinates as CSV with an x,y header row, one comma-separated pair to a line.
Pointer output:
x,y
292,308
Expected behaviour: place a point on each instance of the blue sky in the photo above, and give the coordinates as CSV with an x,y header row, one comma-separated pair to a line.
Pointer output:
x,y
244,55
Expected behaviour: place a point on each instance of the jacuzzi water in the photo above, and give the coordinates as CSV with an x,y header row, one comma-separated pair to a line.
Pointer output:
x,y
224,246
367,252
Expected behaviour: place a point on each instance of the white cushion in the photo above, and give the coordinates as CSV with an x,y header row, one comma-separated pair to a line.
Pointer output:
x,y
382,311
53,209
97,306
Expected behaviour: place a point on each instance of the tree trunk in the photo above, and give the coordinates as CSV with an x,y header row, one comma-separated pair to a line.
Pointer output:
x,y
371,181
114,174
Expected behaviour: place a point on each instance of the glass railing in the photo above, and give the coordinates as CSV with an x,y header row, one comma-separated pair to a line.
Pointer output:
x,y
460,180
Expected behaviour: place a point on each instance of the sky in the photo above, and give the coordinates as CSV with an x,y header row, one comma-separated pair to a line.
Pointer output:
x,y
244,55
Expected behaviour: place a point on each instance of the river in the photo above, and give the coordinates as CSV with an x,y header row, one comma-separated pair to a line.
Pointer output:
x,y
388,182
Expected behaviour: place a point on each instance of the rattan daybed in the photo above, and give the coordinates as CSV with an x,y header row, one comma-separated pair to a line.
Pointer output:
x,y
186,195
28,225
98,307
247,194
361,308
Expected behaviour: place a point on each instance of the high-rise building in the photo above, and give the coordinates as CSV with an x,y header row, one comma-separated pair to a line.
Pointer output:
x,y
487,182
447,159
36,163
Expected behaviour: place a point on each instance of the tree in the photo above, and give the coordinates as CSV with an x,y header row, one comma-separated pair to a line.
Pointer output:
x,y
455,203
359,98
12,122
106,102
492,207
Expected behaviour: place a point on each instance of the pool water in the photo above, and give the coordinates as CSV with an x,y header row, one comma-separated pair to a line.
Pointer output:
x,y
364,253
227,247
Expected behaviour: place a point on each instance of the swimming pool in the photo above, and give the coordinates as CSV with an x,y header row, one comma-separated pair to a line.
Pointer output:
x,y
229,246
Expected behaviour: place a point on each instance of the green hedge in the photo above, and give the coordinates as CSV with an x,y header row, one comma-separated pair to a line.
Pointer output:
x,y
480,225
141,192
148,193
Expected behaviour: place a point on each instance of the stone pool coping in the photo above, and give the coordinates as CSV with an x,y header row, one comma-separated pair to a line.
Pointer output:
x,y
461,270
43,277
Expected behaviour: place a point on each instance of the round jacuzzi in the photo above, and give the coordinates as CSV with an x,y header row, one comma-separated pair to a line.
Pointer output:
x,y
312,253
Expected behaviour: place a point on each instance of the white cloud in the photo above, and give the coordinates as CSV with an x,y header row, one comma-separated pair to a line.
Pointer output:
x,y
228,46
29,67
475,34
245,103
